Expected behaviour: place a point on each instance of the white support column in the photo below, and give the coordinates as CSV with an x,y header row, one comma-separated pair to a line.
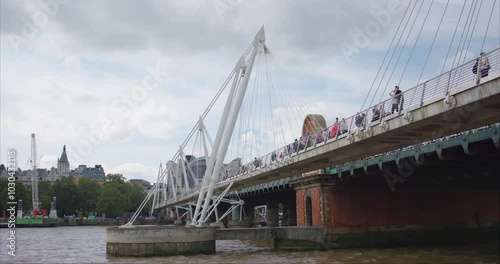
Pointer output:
x,y
205,151
156,190
211,159
228,131
173,187
216,214
190,211
182,159
205,133
178,175
165,184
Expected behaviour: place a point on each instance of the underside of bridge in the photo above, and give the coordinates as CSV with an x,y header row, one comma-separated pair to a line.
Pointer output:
x,y
440,193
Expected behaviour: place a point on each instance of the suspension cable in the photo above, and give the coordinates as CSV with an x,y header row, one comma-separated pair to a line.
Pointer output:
x,y
468,25
416,41
291,97
454,34
387,52
401,52
459,52
271,101
488,26
429,53
473,29
394,52
433,41
271,70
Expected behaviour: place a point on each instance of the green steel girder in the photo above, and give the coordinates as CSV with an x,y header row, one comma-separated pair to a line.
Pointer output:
x,y
496,136
463,140
267,187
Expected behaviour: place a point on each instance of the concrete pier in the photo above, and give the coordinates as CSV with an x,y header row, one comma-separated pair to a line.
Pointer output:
x,y
148,241
285,238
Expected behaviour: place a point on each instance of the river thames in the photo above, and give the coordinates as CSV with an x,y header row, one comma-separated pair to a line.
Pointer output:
x,y
88,245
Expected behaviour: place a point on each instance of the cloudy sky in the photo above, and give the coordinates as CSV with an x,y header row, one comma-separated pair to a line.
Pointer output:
x,y
74,72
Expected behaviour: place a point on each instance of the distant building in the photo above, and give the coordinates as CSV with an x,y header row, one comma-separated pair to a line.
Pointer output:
x,y
195,169
3,172
80,169
96,173
197,166
52,175
63,164
145,185
25,176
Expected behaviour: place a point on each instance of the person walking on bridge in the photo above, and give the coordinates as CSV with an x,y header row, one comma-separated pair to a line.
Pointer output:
x,y
335,128
342,127
483,64
396,96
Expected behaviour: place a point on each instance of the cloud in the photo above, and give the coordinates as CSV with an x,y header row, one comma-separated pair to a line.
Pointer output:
x,y
48,161
136,171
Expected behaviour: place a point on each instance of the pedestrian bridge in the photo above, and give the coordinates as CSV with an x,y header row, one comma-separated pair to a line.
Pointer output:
x,y
463,98
434,110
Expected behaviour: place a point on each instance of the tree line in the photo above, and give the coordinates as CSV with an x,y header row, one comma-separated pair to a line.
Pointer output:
x,y
84,197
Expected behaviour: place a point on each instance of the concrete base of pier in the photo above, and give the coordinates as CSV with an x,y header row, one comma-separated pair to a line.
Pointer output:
x,y
284,238
148,241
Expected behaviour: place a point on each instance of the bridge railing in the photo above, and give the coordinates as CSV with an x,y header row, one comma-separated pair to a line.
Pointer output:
x,y
429,89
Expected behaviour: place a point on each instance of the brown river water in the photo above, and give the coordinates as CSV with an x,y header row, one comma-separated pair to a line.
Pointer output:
x,y
88,245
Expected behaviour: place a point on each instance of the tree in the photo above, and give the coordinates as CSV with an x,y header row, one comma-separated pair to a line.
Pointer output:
x,y
68,196
4,194
111,201
89,194
20,193
136,196
115,178
45,194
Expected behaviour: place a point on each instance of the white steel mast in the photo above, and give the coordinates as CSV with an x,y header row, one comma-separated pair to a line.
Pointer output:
x,y
225,131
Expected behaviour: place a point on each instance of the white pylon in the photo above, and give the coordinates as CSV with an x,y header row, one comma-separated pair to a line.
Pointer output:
x,y
226,127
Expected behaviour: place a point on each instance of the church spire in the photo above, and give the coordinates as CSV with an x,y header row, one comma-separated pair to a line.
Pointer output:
x,y
63,164
64,157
